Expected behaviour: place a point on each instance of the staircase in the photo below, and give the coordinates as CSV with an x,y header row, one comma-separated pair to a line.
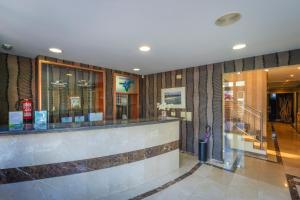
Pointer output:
x,y
243,128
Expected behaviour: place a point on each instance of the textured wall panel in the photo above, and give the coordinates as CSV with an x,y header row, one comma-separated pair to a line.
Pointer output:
x,y
209,107
109,94
217,112
173,77
168,80
294,57
144,97
229,67
190,108
13,72
155,94
239,65
283,58
147,96
259,62
3,90
203,75
163,80
196,109
270,60
178,83
183,123
141,97
158,85
249,63
33,85
151,95
25,77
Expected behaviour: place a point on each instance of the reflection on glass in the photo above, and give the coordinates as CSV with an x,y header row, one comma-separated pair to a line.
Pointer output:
x,y
69,92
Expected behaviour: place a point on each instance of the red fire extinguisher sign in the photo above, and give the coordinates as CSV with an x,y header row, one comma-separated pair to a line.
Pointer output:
x,y
27,109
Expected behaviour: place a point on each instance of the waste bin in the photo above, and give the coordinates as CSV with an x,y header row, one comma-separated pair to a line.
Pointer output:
x,y
202,153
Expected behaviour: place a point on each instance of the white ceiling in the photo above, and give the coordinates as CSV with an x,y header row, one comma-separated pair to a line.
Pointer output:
x,y
180,33
280,77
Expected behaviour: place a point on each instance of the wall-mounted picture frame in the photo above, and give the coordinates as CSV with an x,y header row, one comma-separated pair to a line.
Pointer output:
x,y
174,97
75,103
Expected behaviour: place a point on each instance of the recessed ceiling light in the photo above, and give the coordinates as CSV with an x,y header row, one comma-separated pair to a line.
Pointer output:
x,y
239,46
136,69
68,74
55,50
292,75
238,73
7,47
228,19
266,70
145,48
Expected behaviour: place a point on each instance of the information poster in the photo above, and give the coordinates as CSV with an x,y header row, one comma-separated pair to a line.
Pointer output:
x,y
79,119
40,120
95,116
16,120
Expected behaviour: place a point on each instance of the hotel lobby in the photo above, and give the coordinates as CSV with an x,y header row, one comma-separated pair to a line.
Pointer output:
x,y
149,100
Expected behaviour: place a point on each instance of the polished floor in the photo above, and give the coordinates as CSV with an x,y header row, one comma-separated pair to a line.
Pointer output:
x,y
253,178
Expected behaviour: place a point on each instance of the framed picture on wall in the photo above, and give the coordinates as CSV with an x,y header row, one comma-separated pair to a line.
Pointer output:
x,y
175,97
75,103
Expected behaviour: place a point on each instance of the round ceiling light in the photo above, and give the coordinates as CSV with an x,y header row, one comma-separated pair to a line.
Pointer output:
x,y
228,19
145,48
7,47
136,69
239,46
55,50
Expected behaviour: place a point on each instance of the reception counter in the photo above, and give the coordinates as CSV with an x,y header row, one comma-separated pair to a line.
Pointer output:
x,y
87,161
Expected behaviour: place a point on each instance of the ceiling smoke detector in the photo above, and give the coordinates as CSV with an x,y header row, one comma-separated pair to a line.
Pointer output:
x,y
228,19
7,47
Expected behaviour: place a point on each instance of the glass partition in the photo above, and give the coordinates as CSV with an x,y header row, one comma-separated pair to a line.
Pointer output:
x,y
71,93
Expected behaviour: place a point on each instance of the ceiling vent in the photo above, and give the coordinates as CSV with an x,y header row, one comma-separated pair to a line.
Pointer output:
x,y
228,19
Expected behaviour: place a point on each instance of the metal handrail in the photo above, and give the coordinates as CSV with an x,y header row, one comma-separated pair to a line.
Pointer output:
x,y
256,113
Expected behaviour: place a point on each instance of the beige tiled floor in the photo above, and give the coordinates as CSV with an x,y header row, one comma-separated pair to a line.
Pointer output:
x,y
255,179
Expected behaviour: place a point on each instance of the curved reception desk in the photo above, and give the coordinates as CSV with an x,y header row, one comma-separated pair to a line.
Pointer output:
x,y
86,162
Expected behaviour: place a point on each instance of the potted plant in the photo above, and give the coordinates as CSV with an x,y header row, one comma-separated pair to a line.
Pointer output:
x,y
164,108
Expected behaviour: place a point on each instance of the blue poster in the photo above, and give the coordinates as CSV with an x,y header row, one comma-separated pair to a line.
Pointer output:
x,y
66,119
15,121
79,119
40,119
95,116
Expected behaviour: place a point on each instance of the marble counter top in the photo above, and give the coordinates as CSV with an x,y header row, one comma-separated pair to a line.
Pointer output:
x,y
71,127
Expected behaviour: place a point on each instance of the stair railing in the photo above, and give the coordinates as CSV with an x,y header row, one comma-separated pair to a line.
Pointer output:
x,y
249,117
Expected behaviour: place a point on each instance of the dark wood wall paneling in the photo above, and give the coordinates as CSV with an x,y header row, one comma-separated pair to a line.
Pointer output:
x,y
19,80
189,108
16,83
3,89
204,95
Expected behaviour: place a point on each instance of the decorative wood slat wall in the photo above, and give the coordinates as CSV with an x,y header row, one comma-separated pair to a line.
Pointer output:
x,y
204,95
190,108
196,109
18,80
13,72
4,107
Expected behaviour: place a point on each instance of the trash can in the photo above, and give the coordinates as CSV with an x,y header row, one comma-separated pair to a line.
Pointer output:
x,y
202,153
